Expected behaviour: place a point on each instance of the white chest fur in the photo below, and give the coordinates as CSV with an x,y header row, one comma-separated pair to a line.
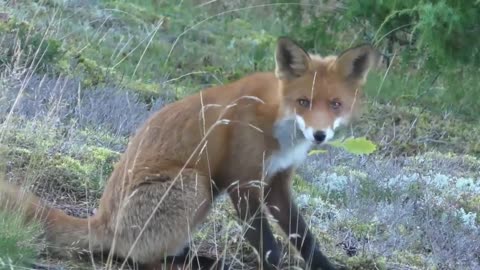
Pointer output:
x,y
288,157
293,147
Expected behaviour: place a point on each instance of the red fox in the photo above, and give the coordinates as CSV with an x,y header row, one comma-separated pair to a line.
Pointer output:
x,y
244,139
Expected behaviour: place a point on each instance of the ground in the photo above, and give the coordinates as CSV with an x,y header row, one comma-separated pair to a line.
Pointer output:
x,y
78,77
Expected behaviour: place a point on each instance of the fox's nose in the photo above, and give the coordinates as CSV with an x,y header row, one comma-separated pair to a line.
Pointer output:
x,y
319,136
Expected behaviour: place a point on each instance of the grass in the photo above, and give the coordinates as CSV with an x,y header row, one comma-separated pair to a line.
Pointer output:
x,y
77,78
17,242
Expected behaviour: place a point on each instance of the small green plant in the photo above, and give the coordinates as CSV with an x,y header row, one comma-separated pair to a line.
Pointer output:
x,y
17,241
357,146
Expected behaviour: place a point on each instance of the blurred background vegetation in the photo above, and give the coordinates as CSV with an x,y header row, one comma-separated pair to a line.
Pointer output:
x,y
77,78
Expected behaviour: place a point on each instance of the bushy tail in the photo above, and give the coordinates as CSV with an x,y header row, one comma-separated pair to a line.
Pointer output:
x,y
65,235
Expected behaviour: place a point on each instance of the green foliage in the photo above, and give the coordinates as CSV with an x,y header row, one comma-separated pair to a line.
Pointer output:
x,y
34,148
362,230
33,135
304,187
447,30
102,160
17,241
369,189
452,90
434,43
357,146
77,175
23,38
312,24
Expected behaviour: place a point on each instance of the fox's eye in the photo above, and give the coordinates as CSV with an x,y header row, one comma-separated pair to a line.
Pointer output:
x,y
335,104
304,102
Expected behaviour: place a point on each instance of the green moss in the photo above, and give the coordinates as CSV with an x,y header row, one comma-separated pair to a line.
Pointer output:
x,y
91,73
17,156
302,186
66,174
98,72
76,175
369,189
14,26
147,91
401,130
102,160
412,260
29,151
325,238
101,154
471,204
98,136
31,135
362,230
365,262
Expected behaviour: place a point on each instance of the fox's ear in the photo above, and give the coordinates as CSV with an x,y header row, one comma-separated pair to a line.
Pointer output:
x,y
291,60
355,63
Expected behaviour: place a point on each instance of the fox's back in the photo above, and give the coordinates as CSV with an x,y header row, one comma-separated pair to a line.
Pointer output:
x,y
184,132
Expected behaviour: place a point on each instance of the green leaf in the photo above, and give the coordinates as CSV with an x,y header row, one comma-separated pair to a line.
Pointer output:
x,y
359,146
316,152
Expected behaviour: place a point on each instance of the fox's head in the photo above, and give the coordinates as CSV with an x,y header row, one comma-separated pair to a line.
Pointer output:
x,y
321,93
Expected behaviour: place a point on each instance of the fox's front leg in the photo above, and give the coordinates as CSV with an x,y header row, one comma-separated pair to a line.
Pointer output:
x,y
283,208
247,202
